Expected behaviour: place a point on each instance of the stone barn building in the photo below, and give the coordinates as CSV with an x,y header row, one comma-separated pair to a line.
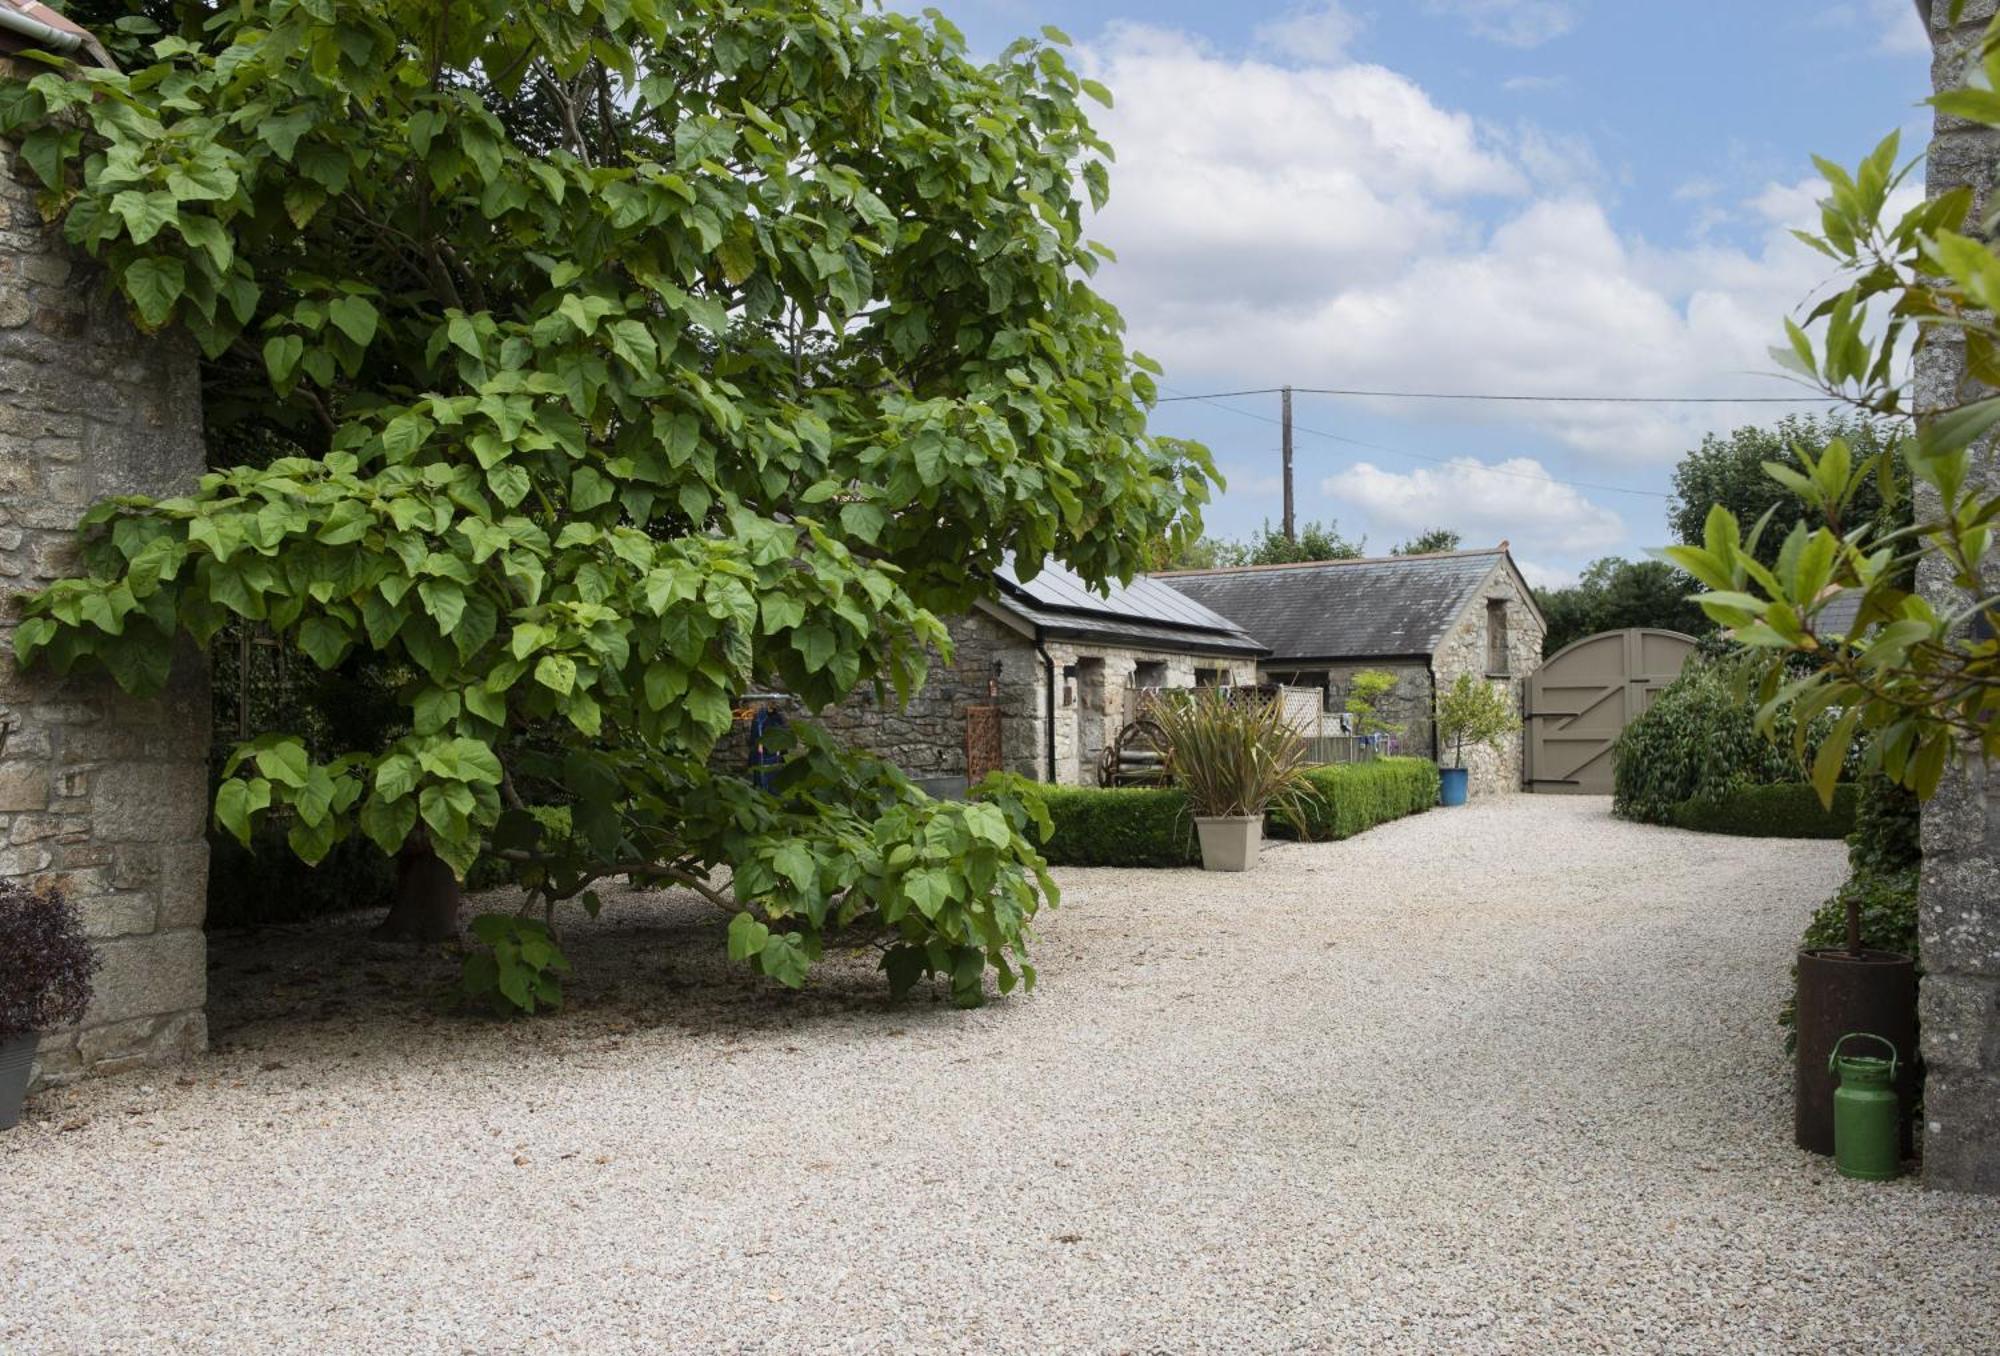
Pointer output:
x,y
1043,675
1425,619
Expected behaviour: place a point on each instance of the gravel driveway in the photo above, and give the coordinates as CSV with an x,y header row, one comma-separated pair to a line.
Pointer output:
x,y
1499,1078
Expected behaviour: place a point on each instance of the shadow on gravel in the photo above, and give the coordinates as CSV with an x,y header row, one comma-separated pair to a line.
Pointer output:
x,y
651,960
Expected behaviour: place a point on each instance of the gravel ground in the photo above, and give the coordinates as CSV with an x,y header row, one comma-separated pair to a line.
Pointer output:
x,y
1501,1078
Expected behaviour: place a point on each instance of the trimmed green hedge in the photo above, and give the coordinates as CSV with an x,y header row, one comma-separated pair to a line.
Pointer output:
x,y
1791,810
1119,826
1150,826
1352,797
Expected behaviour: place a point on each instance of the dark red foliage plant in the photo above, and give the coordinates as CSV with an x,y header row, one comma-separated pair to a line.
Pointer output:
x,y
45,961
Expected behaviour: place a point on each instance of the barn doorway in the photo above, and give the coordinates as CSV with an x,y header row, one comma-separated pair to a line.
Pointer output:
x,y
1584,694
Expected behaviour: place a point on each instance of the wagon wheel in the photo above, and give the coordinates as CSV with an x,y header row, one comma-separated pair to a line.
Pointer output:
x,y
1137,757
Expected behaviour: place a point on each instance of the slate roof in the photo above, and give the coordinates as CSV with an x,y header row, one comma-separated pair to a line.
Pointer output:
x,y
1386,608
1144,613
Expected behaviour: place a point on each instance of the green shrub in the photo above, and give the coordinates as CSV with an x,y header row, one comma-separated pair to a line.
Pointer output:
x,y
1351,797
1119,826
1699,742
1790,810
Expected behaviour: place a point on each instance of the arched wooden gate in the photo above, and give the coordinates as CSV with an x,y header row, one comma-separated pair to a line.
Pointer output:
x,y
1584,694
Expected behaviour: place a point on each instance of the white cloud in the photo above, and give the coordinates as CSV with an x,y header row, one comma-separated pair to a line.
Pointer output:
x,y
1243,184
1514,23
1319,35
1902,29
1484,502
1540,576
1532,84
1896,26
1336,225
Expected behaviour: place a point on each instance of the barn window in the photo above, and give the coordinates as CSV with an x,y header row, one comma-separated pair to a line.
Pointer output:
x,y
1496,635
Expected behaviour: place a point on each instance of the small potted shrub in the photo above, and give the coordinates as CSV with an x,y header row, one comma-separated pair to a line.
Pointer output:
x,y
1236,756
45,969
1469,712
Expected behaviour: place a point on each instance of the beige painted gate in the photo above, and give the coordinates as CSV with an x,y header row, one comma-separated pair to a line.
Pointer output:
x,y
1584,694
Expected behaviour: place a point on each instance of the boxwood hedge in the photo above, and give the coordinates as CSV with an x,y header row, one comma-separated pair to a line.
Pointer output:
x,y
1119,826
1791,810
1351,797
1151,826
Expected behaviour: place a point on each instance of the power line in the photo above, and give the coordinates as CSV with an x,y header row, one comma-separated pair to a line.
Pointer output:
x,y
1529,399
1422,456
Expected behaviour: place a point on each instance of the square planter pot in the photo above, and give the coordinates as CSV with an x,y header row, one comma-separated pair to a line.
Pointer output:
x,y
1229,842
17,1059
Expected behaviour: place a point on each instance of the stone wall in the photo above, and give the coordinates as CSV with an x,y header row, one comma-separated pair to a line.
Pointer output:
x,y
1959,911
993,664
101,796
1464,650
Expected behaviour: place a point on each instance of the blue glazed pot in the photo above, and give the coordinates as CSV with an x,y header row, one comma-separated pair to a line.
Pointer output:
x,y
1451,786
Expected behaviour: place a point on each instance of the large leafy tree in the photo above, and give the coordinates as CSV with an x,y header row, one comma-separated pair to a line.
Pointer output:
x,y
1613,593
622,356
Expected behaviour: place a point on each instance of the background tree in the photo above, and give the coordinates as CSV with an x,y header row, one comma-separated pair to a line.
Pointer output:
x,y
621,357
1436,540
1614,593
1268,546
1729,471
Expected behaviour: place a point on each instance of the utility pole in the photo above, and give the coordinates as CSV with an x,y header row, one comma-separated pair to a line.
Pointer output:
x,y
1291,529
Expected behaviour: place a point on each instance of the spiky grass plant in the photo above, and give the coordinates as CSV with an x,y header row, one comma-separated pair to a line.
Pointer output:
x,y
1232,751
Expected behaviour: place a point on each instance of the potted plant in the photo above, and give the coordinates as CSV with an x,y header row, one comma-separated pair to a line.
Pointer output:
x,y
1475,712
1235,755
45,969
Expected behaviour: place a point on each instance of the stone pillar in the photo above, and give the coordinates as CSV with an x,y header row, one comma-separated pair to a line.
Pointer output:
x,y
101,796
1959,919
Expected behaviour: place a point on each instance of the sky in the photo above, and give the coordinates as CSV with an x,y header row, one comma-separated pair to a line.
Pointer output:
x,y
1551,197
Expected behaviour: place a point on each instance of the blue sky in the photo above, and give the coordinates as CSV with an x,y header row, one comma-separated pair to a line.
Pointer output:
x,y
1534,196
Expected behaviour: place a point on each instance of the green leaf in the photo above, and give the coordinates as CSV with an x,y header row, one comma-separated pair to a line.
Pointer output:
x,y
747,937
354,317
928,888
155,284
557,673
284,762
816,644
388,822
281,356
145,214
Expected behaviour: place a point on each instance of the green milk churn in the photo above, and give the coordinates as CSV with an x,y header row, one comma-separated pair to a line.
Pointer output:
x,y
1865,1113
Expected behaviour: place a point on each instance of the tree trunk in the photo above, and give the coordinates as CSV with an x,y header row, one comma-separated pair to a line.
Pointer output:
x,y
426,905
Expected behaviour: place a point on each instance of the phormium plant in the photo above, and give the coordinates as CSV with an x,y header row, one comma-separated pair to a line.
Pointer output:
x,y
45,980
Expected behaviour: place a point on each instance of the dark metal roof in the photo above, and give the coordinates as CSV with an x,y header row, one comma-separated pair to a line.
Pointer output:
x,y
1144,612
1344,609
